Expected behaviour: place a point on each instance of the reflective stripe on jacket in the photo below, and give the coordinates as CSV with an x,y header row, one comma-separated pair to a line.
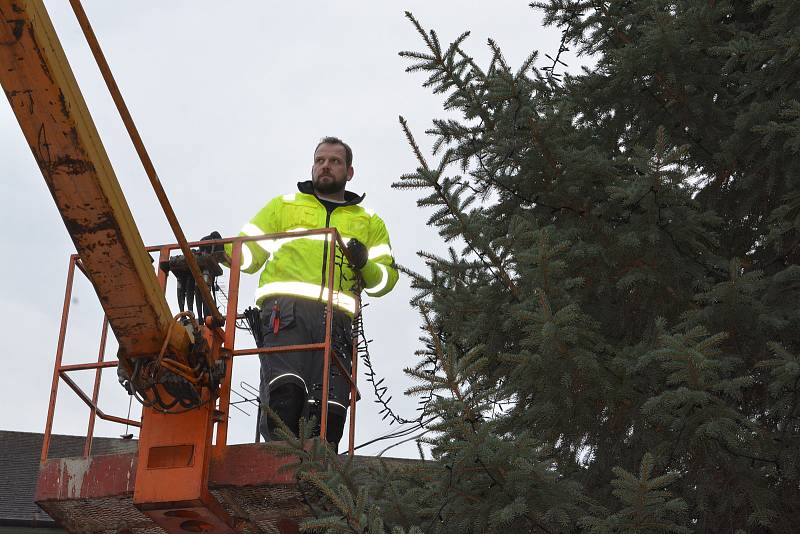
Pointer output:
x,y
294,265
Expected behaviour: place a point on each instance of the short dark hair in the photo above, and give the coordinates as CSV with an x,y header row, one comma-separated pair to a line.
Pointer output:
x,y
330,140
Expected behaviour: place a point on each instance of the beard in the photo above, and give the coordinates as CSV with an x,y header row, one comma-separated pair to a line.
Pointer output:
x,y
329,187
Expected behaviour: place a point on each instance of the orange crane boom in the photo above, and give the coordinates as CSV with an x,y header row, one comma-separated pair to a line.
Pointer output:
x,y
55,120
174,448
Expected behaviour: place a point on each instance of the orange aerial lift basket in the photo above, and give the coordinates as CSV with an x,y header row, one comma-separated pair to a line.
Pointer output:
x,y
185,478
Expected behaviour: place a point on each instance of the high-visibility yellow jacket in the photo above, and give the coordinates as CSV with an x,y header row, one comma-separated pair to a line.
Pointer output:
x,y
297,266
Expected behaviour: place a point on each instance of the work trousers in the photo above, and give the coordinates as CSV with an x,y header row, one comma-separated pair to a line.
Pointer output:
x,y
291,382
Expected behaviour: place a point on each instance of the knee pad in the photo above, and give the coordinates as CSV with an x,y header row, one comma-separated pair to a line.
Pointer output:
x,y
287,401
335,426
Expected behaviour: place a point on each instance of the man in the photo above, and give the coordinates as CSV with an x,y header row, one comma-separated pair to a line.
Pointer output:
x,y
293,292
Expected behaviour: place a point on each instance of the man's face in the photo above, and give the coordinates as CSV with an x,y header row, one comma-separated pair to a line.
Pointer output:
x,y
330,172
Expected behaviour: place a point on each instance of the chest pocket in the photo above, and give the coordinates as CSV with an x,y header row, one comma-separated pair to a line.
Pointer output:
x,y
294,216
357,227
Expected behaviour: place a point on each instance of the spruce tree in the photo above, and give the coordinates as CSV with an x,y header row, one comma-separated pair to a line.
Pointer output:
x,y
621,290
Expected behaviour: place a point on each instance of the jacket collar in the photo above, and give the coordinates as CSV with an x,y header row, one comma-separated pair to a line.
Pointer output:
x,y
350,198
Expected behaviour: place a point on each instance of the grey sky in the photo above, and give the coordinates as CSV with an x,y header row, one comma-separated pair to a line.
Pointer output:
x,y
231,99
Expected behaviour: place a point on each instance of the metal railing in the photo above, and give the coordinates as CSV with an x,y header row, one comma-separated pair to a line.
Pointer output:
x,y
228,334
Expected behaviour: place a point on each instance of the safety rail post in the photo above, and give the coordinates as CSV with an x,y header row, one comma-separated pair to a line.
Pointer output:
x,y
326,365
353,382
229,343
353,364
62,333
163,255
101,353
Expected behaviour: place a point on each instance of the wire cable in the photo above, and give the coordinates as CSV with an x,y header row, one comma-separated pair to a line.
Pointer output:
x,y
393,445
397,434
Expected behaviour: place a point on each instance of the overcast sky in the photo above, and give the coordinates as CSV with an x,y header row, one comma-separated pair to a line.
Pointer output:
x,y
231,99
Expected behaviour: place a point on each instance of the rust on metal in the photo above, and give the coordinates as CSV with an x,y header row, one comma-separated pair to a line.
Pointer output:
x,y
100,476
55,120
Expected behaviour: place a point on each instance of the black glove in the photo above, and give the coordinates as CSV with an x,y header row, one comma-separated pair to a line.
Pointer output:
x,y
211,248
358,253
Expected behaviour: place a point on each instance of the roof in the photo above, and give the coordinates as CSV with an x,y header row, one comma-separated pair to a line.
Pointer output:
x,y
19,470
